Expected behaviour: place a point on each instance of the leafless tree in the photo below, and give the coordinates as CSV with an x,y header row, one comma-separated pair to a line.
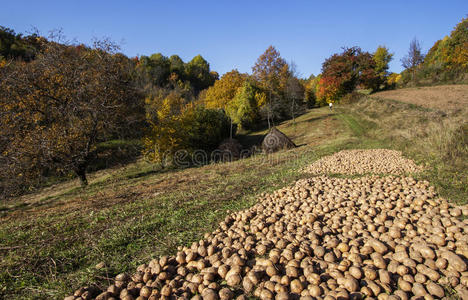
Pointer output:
x,y
294,91
414,57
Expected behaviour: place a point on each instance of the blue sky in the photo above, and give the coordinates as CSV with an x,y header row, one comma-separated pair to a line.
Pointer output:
x,y
232,34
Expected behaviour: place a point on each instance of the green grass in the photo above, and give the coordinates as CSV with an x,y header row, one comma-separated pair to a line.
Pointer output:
x,y
51,241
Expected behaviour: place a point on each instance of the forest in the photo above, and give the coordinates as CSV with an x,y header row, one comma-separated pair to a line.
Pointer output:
x,y
65,107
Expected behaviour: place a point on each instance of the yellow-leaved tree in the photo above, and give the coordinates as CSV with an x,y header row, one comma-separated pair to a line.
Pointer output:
x,y
224,89
222,93
166,133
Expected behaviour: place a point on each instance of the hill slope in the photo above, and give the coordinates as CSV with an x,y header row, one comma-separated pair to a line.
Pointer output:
x,y
442,97
51,241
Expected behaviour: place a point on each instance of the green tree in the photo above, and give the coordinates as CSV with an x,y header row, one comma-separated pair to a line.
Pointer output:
x,y
205,128
198,73
176,127
382,58
14,46
244,108
177,66
156,68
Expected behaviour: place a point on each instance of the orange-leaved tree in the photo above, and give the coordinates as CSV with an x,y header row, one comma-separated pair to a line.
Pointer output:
x,y
56,108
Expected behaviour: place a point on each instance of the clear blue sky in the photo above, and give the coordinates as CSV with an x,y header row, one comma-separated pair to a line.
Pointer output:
x,y
232,34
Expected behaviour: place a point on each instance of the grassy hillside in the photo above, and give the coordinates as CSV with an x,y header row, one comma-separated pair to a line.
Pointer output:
x,y
50,242
429,125
446,98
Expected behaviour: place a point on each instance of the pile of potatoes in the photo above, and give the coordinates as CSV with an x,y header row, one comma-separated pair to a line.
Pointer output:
x,y
323,238
357,161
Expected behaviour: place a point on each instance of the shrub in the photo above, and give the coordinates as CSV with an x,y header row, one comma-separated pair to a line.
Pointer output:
x,y
184,132
352,97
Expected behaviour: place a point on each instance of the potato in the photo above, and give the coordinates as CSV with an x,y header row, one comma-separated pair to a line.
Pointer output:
x,y
351,284
282,296
454,260
209,294
378,246
233,279
166,291
404,285
226,294
266,295
418,289
435,290
355,272
296,286
248,285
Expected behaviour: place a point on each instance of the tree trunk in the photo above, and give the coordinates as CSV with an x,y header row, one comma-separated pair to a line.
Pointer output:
x,y
230,134
81,173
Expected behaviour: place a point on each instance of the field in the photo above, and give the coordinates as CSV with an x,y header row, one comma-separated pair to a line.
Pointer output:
x,y
441,97
52,241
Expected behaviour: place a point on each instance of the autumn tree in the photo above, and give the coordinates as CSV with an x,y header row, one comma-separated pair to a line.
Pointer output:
x,y
382,58
272,72
340,75
328,89
369,77
165,134
414,57
310,86
224,89
179,127
343,72
222,93
451,52
56,108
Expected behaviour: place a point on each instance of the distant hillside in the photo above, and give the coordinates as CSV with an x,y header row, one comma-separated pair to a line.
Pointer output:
x,y
442,97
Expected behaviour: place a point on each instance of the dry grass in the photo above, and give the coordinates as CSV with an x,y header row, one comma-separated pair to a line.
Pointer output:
x,y
444,97
437,139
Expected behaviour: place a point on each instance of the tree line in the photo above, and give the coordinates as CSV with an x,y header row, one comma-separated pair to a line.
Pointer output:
x,y
60,101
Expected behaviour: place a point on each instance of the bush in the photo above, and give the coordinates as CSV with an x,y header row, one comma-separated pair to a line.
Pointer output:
x,y
352,97
206,128
177,136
